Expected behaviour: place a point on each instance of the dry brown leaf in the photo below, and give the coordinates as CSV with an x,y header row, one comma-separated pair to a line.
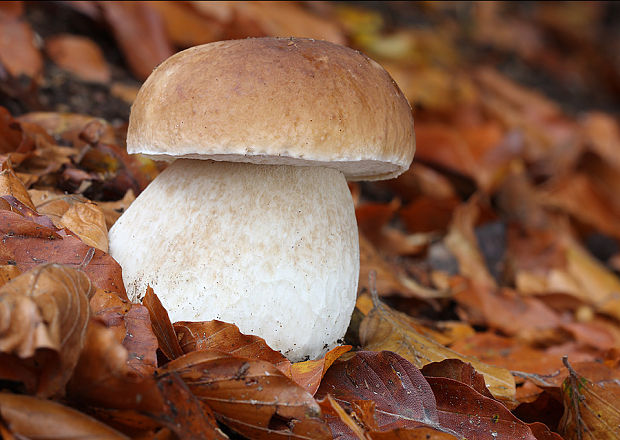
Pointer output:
x,y
29,418
462,242
80,56
162,327
226,338
308,374
70,126
390,278
18,53
251,397
590,408
140,33
44,317
185,27
105,378
276,19
387,329
11,185
76,213
31,240
132,327
577,195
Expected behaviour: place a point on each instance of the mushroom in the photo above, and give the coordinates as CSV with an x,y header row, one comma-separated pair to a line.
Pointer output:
x,y
253,223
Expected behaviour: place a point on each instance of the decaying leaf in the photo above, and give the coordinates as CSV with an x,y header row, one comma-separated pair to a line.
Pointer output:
x,y
590,408
184,414
252,397
162,327
402,397
104,377
30,240
80,56
75,213
387,329
28,418
132,328
44,315
308,374
11,185
226,338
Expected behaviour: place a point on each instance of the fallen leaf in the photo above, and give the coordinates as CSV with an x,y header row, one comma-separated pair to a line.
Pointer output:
x,y
402,397
460,371
185,27
27,418
590,408
45,313
29,244
80,56
387,329
474,416
18,53
68,127
113,210
226,338
462,242
76,213
140,34
132,328
577,195
162,327
183,413
10,185
104,377
251,397
308,374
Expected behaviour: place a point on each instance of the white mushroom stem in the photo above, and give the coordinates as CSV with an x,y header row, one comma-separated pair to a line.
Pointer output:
x,y
271,248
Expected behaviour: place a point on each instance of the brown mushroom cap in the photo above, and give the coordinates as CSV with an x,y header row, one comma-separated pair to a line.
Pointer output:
x,y
275,101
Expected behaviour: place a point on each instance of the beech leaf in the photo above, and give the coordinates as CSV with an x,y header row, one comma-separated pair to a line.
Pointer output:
x,y
29,418
386,329
226,337
590,408
402,397
250,396
44,314
30,240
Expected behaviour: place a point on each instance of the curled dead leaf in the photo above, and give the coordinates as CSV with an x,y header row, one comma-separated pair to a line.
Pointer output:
x,y
44,314
252,397
27,417
386,329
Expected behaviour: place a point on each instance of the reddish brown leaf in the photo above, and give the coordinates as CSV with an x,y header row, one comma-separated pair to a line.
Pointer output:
x,y
473,415
80,56
29,418
18,54
45,313
140,33
225,337
252,397
460,371
32,244
10,185
590,407
400,392
308,374
103,376
131,326
162,327
184,414
185,27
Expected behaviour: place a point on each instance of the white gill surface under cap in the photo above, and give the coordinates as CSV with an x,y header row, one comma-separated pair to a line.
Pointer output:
x,y
271,248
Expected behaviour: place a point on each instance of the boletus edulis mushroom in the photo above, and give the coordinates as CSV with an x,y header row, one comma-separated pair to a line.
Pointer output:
x,y
253,223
